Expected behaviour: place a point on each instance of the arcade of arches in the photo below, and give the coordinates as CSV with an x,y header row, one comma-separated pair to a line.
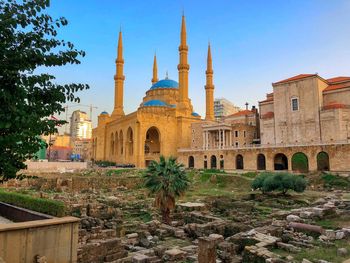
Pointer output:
x,y
296,159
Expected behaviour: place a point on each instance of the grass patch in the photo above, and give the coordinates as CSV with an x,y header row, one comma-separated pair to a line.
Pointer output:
x,y
334,223
322,252
46,206
118,171
335,181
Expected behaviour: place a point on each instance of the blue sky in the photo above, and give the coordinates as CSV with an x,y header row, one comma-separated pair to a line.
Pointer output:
x,y
254,43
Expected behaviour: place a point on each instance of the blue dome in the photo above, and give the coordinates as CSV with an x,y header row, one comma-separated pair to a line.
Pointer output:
x,y
104,112
165,83
155,103
195,114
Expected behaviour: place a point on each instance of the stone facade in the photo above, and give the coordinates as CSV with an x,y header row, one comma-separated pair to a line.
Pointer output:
x,y
269,158
161,124
305,116
321,113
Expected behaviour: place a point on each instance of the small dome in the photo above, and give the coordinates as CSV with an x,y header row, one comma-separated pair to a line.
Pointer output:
x,y
104,113
155,103
165,84
195,114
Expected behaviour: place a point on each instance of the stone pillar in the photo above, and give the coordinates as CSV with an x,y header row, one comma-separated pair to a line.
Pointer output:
x,y
219,139
207,140
206,250
204,140
223,137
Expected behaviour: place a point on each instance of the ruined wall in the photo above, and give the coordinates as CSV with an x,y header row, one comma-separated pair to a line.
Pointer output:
x,y
339,156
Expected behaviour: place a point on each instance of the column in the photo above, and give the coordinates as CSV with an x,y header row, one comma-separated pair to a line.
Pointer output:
x,y
219,139
208,146
223,137
204,137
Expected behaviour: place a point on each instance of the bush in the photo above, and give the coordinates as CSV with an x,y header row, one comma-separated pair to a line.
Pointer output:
x,y
269,182
104,163
46,206
331,180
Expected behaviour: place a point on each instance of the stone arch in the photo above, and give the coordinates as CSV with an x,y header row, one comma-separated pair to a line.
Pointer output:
x,y
116,144
280,162
300,162
261,162
213,164
152,141
239,162
130,141
323,161
205,163
121,142
111,149
191,162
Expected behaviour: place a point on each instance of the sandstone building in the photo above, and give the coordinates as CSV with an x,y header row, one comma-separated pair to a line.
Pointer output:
x,y
160,125
303,125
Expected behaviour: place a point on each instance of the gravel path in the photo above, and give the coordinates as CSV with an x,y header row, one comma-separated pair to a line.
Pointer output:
x,y
4,220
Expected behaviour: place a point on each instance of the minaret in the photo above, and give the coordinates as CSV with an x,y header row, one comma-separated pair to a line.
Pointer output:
x,y
183,68
155,70
209,88
119,81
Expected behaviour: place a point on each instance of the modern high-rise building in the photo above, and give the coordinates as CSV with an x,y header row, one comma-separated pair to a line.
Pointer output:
x,y
80,125
223,107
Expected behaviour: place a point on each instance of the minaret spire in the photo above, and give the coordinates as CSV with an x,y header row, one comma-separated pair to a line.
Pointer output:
x,y
209,88
119,81
155,70
183,68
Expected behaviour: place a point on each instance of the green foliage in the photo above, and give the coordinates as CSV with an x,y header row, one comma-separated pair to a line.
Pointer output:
x,y
166,179
331,180
213,171
269,182
28,41
300,163
46,206
104,163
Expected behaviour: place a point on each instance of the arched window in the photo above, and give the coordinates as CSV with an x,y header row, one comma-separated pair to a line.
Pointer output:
x,y
280,162
323,161
261,162
239,162
191,162
152,141
130,141
213,162
300,163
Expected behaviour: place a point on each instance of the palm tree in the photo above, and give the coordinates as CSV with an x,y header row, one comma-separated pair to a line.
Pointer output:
x,y
166,179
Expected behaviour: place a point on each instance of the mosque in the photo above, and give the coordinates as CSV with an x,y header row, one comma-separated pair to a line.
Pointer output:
x,y
161,124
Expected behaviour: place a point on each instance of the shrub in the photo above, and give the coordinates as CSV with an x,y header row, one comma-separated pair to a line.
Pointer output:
x,y
269,182
104,163
46,206
331,180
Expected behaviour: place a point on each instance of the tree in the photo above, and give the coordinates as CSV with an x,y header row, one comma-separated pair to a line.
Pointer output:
x,y
283,182
166,179
28,41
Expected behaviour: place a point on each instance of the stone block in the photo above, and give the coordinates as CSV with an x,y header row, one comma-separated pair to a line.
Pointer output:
x,y
174,255
140,258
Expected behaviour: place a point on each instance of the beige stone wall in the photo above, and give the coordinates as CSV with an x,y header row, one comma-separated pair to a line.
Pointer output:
x,y
339,156
302,125
123,140
337,96
55,166
56,239
246,134
335,125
